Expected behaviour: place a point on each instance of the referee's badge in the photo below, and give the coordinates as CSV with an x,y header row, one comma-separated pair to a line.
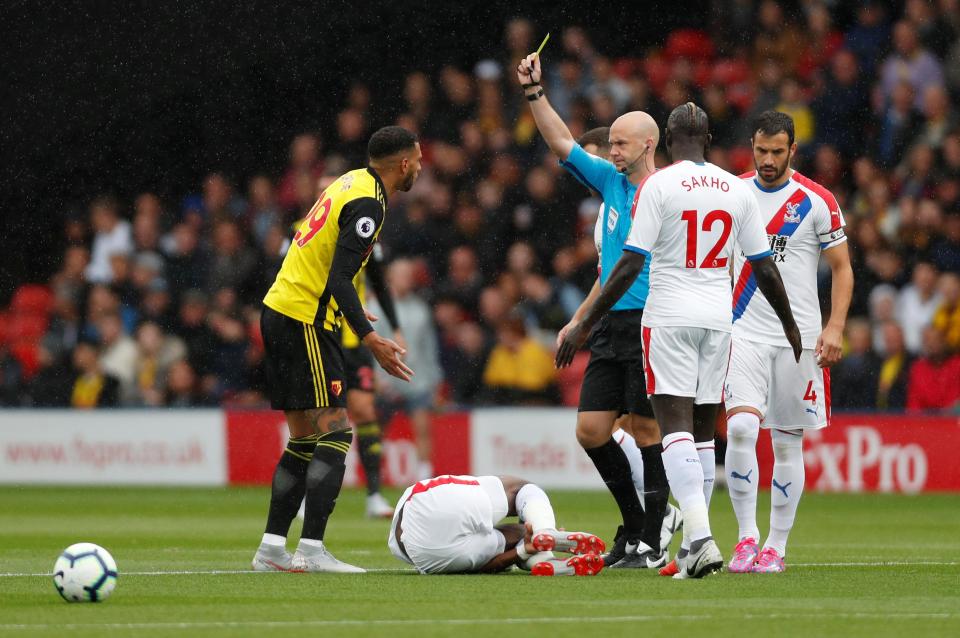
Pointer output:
x,y
612,217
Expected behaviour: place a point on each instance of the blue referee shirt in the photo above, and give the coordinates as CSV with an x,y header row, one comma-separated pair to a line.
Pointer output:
x,y
617,193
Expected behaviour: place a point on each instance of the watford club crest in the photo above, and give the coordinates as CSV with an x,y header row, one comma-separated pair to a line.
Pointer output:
x,y
336,386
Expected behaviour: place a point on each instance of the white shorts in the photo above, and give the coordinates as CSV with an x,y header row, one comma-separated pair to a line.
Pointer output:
x,y
788,394
686,362
448,523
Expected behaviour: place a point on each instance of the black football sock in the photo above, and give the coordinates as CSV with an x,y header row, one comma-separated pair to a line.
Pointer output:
x,y
371,449
289,484
656,492
324,478
611,461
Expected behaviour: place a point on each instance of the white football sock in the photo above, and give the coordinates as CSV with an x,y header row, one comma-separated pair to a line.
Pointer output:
x,y
708,461
274,540
634,457
533,506
310,542
742,471
786,488
685,475
539,557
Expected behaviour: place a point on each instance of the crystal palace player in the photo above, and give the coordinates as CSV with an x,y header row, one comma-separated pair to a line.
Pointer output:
x,y
303,311
764,385
613,382
686,216
449,524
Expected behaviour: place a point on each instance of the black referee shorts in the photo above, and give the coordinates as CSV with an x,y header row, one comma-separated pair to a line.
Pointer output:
x,y
614,378
305,368
359,367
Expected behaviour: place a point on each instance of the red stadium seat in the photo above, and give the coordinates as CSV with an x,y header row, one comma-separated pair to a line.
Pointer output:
x,y
25,326
570,378
27,353
657,71
731,71
33,299
692,44
741,159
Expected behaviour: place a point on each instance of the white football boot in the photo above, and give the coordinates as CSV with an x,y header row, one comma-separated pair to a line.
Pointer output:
x,y
378,507
273,558
319,559
705,561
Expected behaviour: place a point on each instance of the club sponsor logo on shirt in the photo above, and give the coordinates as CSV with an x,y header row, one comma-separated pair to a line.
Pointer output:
x,y
778,246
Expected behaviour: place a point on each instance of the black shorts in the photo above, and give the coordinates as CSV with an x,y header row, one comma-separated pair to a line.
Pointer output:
x,y
614,378
359,366
304,364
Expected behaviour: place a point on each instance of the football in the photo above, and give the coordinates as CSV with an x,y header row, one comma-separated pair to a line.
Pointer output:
x,y
85,573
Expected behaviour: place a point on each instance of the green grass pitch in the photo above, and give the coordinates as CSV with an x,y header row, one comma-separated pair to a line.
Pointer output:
x,y
859,565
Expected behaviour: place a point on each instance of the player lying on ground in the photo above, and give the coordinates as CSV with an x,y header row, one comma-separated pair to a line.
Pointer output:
x,y
449,524
621,158
765,388
686,219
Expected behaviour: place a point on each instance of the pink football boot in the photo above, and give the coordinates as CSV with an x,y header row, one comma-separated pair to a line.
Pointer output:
x,y
769,562
744,556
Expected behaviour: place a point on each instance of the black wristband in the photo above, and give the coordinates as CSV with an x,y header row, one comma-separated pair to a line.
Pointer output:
x,y
530,85
533,97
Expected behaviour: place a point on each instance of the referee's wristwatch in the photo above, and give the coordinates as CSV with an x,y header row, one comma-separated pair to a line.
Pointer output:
x,y
536,95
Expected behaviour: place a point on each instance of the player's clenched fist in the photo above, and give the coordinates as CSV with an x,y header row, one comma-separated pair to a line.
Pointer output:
x,y
528,71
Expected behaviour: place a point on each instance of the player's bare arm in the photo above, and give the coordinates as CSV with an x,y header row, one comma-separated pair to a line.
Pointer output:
x,y
512,534
621,278
555,133
582,310
771,285
830,343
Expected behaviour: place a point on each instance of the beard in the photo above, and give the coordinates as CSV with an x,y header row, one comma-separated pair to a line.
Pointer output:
x,y
778,171
408,181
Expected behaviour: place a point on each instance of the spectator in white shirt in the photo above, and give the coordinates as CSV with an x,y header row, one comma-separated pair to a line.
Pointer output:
x,y
112,236
916,304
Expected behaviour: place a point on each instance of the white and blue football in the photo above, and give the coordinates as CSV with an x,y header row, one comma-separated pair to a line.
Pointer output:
x,y
85,573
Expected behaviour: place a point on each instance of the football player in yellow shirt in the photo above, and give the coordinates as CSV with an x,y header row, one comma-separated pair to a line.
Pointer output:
x,y
302,316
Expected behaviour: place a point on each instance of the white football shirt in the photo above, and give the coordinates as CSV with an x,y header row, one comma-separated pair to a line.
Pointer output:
x,y
688,216
802,218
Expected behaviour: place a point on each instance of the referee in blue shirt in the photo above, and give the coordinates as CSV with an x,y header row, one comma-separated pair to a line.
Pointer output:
x,y
614,382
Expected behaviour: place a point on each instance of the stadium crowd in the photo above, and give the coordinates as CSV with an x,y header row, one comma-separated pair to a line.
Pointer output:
x,y
156,303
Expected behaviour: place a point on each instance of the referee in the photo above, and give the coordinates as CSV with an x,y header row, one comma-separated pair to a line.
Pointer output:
x,y
613,383
302,316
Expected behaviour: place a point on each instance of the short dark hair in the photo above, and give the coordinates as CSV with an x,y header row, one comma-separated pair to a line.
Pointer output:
x,y
688,120
389,140
773,122
599,137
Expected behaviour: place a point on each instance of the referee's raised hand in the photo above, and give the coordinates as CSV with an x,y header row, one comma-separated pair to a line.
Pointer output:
x,y
528,71
387,353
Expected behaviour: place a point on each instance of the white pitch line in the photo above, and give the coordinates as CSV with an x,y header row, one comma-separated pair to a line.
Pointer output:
x,y
222,572
884,563
202,572
540,620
